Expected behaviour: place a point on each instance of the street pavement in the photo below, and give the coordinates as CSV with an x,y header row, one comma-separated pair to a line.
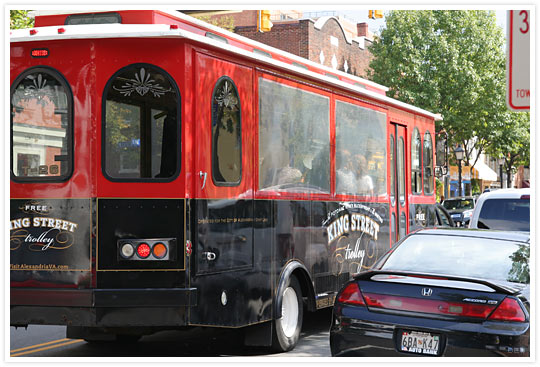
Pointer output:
x,y
49,341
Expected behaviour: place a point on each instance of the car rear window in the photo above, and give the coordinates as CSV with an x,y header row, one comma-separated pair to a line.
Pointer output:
x,y
505,214
471,257
458,204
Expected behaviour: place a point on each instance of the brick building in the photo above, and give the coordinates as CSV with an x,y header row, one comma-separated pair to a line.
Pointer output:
x,y
329,40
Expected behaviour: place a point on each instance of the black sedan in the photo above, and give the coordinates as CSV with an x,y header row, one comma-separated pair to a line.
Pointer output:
x,y
439,292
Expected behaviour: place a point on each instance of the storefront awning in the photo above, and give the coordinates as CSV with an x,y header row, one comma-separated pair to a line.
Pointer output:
x,y
480,171
483,172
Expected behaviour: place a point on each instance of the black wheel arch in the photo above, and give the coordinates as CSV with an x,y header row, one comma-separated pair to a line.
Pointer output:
x,y
306,284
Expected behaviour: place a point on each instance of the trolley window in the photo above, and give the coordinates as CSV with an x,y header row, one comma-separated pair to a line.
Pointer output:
x,y
226,134
140,118
392,172
416,167
360,150
428,164
294,139
401,172
41,126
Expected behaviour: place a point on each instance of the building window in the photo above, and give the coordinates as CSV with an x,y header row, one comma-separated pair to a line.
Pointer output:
x,y
294,139
416,167
41,126
428,164
140,124
226,134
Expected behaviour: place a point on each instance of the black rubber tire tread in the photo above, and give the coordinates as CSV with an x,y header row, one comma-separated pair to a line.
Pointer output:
x,y
280,342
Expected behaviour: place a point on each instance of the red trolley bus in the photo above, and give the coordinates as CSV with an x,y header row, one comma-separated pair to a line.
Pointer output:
x,y
166,173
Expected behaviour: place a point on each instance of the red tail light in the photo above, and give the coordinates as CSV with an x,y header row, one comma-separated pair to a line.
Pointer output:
x,y
352,295
143,250
508,310
428,306
39,52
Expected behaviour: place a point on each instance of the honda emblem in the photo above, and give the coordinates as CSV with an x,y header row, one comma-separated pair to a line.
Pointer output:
x,y
426,292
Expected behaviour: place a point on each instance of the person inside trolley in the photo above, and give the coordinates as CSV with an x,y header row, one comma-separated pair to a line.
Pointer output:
x,y
345,176
363,180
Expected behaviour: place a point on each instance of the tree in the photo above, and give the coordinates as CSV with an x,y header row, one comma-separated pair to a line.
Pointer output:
x,y
19,19
512,143
449,62
224,22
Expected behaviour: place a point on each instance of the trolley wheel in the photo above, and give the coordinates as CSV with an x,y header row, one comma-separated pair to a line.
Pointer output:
x,y
286,330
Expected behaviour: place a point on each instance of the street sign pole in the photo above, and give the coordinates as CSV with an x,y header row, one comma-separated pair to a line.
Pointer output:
x,y
518,66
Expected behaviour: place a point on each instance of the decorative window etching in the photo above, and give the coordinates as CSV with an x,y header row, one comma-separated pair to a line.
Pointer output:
x,y
226,97
142,84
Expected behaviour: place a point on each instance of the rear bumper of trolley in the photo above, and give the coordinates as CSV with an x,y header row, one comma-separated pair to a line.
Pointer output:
x,y
101,307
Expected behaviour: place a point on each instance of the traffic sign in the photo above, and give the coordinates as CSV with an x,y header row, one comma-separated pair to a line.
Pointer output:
x,y
518,90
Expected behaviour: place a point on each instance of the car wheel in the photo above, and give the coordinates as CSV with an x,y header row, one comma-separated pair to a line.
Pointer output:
x,y
286,331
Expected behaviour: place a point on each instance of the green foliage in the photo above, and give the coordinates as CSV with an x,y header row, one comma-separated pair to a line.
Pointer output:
x,y
520,271
475,186
439,190
19,19
224,22
449,62
512,142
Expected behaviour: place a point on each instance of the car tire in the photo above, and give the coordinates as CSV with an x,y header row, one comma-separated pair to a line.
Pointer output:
x,y
286,330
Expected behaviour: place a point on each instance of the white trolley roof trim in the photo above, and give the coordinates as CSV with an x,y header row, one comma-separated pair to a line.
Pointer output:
x,y
93,31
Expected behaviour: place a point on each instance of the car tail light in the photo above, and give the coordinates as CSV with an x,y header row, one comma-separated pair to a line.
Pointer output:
x,y
431,306
351,295
508,310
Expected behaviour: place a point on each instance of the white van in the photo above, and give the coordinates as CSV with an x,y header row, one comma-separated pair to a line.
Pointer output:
x,y
505,209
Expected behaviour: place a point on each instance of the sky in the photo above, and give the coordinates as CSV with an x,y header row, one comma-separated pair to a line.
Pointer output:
x,y
375,25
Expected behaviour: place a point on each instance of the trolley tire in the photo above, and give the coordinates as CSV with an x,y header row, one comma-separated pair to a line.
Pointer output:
x,y
286,330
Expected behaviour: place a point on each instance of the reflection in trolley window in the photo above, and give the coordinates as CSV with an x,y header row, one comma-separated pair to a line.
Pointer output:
x,y
416,167
294,139
428,164
226,134
360,150
41,118
140,124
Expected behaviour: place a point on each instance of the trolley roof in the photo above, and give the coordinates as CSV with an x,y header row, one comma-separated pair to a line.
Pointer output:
x,y
174,24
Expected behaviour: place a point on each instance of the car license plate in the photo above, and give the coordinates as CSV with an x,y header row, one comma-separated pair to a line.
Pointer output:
x,y
420,343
